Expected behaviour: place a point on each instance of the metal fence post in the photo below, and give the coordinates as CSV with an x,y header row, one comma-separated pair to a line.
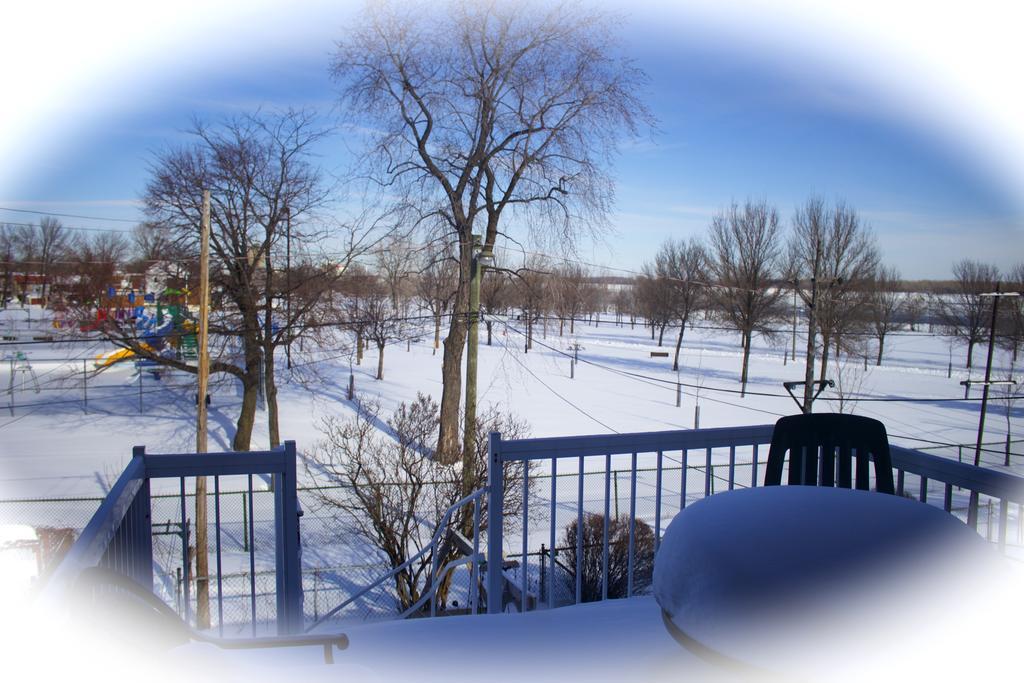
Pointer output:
x,y
140,514
288,564
495,515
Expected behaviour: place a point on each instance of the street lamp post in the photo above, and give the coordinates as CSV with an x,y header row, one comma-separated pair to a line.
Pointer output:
x,y
481,258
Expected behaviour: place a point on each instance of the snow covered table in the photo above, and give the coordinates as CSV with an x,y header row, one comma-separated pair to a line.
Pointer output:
x,y
797,578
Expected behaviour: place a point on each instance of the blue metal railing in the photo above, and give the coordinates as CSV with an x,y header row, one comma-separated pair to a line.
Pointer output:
x,y
119,537
660,468
725,450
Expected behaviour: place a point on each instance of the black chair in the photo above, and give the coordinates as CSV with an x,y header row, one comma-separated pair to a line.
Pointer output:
x,y
855,437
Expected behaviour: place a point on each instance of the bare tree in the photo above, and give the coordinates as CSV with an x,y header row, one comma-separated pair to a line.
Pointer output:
x,y
495,292
836,255
95,265
744,261
571,289
681,269
532,295
652,302
8,246
41,247
436,285
1012,323
393,493
884,306
481,112
395,267
263,187
962,310
355,288
383,323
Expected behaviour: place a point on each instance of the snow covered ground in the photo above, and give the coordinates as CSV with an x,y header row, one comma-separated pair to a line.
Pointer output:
x,y
53,445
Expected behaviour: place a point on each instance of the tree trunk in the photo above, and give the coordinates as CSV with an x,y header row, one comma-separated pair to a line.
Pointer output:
x,y
380,361
746,362
489,323
881,346
572,325
826,343
247,416
449,439
970,352
437,330
661,333
561,325
359,347
679,344
270,386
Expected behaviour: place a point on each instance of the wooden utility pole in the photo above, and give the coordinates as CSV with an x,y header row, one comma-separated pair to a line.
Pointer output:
x,y
203,360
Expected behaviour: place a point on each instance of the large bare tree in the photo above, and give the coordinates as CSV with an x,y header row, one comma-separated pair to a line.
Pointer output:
x,y
264,190
962,309
482,115
745,246
835,256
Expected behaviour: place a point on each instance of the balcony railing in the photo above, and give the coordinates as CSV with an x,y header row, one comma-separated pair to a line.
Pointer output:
x,y
625,481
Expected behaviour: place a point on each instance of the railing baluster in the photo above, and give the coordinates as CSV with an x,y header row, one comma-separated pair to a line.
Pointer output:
x,y
657,505
1004,513
707,472
525,566
682,480
220,573
923,491
252,556
474,581
947,499
187,570
732,467
632,527
579,534
900,477
607,521
753,468
551,536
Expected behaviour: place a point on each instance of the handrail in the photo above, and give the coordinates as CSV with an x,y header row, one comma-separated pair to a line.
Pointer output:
x,y
390,575
993,483
91,544
633,442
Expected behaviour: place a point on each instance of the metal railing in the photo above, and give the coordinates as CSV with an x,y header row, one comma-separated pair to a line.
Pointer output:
x,y
726,457
444,537
666,471
120,536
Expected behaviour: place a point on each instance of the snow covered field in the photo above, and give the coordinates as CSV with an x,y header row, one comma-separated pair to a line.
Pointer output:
x,y
53,446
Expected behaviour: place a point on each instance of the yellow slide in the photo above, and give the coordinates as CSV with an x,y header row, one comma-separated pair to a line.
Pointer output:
x,y
106,360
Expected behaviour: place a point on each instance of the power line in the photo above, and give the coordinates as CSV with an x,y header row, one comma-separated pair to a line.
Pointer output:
x,y
70,215
671,383
563,398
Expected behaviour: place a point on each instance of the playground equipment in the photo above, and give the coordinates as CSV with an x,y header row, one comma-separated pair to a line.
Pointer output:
x,y
170,331
20,365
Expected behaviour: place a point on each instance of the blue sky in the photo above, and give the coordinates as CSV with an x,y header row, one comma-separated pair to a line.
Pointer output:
x,y
745,108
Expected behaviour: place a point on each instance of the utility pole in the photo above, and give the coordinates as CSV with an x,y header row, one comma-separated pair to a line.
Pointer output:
x,y
811,334
793,354
479,259
988,369
202,556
